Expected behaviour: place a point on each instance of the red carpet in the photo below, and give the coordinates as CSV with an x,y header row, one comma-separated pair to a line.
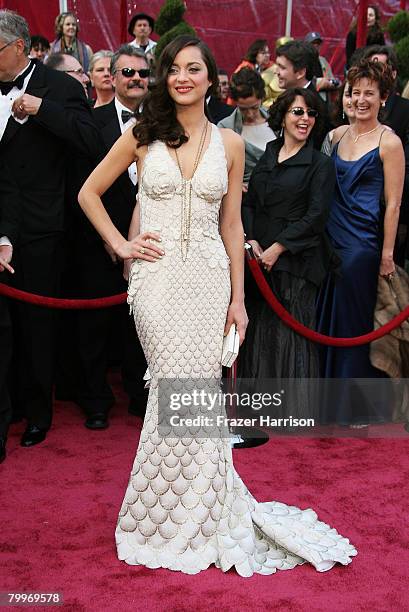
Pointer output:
x,y
61,500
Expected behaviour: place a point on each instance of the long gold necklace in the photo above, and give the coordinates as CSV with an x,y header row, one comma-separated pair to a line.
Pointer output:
x,y
186,205
355,139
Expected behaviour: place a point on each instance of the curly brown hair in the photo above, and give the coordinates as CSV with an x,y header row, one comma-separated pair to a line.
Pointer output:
x,y
158,119
373,71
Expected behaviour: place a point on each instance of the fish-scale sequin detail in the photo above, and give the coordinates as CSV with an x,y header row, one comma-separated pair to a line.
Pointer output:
x,y
185,506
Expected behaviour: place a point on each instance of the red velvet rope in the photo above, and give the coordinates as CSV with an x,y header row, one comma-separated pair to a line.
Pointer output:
x,y
285,316
63,304
289,320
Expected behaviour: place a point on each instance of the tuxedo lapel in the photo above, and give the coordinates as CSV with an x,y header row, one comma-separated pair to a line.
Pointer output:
x,y
12,128
111,130
37,85
110,133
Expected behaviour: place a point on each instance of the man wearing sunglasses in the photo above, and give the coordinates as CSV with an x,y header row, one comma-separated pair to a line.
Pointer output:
x,y
101,272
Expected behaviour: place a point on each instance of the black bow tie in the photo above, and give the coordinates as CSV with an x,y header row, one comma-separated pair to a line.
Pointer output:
x,y
7,86
126,115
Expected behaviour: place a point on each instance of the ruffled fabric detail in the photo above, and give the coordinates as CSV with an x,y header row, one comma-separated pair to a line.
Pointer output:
x,y
252,537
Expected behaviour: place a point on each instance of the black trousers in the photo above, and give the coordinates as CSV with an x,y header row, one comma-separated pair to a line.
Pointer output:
x,y
98,276
5,357
38,270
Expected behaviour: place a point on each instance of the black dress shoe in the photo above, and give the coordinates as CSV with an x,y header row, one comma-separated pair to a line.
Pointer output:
x,y
33,435
97,421
2,449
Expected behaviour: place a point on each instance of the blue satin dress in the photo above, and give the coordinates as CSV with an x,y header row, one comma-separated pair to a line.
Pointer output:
x,y
347,302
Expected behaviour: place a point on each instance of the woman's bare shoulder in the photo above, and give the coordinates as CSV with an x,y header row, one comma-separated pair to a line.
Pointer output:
x,y
130,143
338,133
231,138
389,142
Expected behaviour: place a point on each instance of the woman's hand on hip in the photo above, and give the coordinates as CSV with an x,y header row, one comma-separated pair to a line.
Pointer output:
x,y
141,247
237,314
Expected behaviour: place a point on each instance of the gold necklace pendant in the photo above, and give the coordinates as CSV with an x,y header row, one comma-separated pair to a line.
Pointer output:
x,y
186,201
355,139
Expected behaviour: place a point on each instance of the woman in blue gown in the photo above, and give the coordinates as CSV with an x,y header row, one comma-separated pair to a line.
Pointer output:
x,y
369,163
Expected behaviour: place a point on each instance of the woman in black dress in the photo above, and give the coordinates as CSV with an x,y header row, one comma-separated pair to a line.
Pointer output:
x,y
284,219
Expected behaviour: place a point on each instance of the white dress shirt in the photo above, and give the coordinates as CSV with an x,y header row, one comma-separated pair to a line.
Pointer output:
x,y
125,126
6,102
149,49
258,135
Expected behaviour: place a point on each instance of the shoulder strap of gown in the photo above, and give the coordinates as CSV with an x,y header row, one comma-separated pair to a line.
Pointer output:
x,y
347,130
380,137
337,143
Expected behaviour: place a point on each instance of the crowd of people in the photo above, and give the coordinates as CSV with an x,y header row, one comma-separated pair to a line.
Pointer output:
x,y
320,191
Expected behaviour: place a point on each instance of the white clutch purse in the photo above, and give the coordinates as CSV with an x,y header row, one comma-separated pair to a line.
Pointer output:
x,y
231,344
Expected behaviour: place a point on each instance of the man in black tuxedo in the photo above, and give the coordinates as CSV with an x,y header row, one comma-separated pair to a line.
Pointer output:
x,y
102,273
296,61
44,120
9,227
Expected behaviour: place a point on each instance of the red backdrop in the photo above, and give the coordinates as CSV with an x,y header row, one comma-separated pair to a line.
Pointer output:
x,y
228,26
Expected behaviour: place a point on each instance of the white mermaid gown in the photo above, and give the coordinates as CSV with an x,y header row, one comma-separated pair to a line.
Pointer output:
x,y
185,507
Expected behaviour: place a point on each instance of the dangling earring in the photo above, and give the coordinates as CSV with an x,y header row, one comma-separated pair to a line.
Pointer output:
x,y
343,114
281,131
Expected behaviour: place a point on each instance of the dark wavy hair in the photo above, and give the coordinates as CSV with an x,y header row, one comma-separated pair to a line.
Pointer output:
x,y
246,83
255,48
158,119
373,71
279,109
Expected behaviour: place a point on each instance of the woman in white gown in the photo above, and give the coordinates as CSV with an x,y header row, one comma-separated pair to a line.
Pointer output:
x,y
185,507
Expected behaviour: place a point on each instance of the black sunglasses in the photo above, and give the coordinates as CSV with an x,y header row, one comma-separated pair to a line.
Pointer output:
x,y
299,112
130,72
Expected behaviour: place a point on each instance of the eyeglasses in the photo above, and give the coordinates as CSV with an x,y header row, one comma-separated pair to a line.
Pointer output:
x,y
8,44
79,71
299,112
130,72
